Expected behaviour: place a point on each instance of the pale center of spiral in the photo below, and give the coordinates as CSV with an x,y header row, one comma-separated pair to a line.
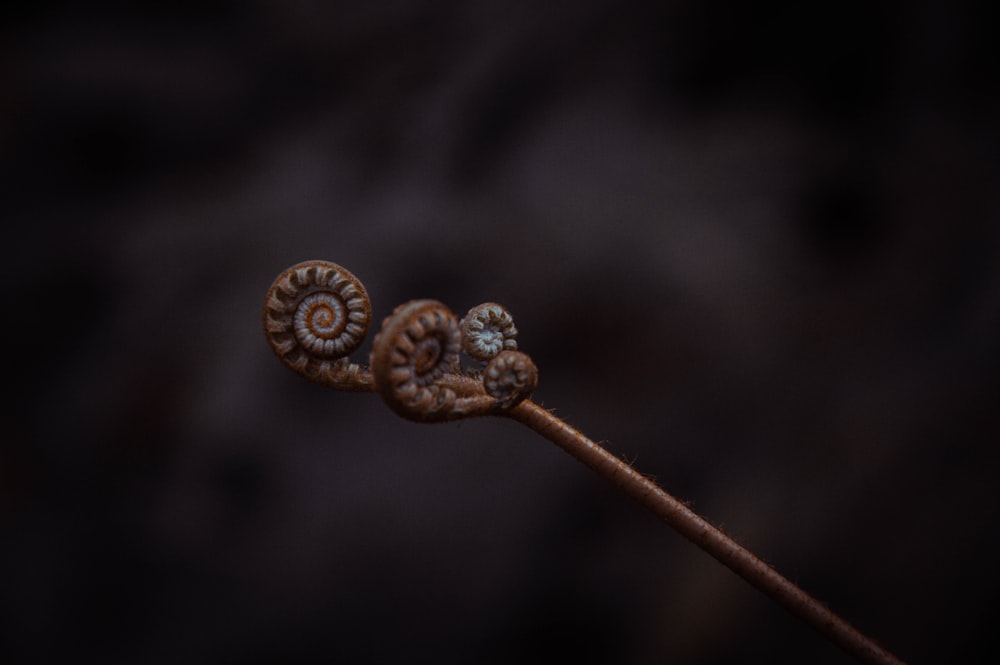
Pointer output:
x,y
491,340
319,319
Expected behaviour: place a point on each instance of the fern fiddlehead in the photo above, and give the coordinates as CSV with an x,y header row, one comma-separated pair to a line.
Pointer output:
x,y
317,313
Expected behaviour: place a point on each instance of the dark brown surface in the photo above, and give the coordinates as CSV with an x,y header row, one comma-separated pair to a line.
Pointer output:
x,y
755,251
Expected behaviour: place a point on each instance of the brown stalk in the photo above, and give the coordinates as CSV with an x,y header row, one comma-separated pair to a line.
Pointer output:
x,y
317,313
709,538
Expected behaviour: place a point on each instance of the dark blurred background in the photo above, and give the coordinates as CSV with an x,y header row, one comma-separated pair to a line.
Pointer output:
x,y
753,249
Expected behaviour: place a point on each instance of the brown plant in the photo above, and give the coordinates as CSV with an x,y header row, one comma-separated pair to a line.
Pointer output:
x,y
317,313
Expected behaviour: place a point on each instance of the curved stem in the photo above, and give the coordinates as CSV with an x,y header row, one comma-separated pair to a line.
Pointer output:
x,y
709,538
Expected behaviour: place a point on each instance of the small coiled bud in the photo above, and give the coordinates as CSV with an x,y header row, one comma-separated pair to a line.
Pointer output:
x,y
510,378
315,314
419,345
487,330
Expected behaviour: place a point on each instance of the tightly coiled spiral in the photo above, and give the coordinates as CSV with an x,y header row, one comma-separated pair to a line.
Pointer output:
x,y
315,314
415,357
510,378
487,330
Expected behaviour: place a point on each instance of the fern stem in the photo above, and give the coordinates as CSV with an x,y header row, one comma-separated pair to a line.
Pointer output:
x,y
706,536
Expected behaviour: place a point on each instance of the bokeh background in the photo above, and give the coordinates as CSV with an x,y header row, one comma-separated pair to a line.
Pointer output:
x,y
753,249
